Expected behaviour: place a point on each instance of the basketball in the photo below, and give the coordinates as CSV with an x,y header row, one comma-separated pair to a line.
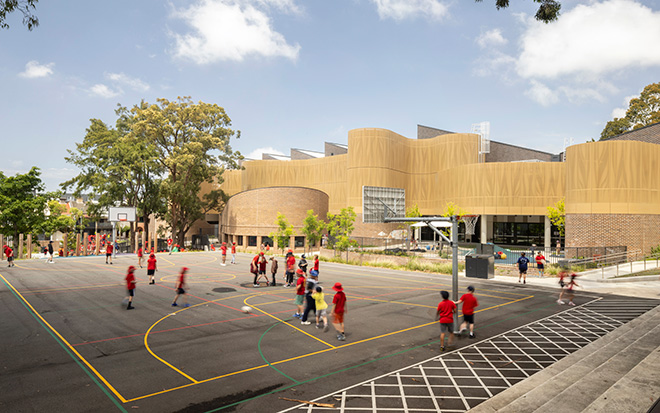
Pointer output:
x,y
246,309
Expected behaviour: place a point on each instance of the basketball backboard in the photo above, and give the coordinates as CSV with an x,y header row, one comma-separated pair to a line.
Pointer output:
x,y
122,214
379,202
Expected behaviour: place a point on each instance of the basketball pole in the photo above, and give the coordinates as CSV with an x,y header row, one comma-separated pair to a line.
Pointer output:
x,y
453,242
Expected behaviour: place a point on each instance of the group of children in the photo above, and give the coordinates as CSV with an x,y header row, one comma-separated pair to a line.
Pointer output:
x,y
259,264
523,262
151,270
445,315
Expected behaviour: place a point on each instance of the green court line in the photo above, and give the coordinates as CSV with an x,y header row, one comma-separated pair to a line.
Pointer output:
x,y
296,382
362,364
91,376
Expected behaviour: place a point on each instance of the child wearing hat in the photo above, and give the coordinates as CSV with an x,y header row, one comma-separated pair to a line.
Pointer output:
x,y
151,268
233,252
339,310
223,248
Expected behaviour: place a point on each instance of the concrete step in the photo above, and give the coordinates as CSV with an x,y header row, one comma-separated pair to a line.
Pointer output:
x,y
526,394
641,384
587,388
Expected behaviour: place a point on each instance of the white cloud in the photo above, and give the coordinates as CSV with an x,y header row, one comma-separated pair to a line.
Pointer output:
x,y
491,38
256,154
596,38
232,30
621,112
542,94
34,70
103,91
133,83
577,57
411,9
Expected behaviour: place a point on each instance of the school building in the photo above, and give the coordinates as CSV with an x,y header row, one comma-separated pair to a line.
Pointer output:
x,y
611,188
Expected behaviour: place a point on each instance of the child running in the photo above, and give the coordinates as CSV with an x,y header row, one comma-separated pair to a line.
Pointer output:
x,y
562,285
180,283
570,289
469,302
310,303
445,315
130,286
339,310
522,267
151,268
321,308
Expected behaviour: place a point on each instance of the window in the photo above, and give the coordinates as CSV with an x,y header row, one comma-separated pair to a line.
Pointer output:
x,y
239,240
299,242
252,241
267,241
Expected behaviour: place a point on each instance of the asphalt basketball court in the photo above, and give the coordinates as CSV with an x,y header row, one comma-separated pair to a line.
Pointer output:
x,y
68,342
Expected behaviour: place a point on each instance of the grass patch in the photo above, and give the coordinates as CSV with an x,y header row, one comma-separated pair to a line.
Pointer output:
x,y
413,264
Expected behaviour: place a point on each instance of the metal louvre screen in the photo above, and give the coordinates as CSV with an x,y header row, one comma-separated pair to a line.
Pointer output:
x,y
375,199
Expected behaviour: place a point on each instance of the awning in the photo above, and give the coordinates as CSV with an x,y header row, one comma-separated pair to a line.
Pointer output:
x,y
437,224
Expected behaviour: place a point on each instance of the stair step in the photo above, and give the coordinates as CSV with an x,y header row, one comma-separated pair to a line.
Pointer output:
x,y
640,384
605,375
580,363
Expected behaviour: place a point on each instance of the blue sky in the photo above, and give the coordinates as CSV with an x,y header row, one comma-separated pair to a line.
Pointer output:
x,y
296,73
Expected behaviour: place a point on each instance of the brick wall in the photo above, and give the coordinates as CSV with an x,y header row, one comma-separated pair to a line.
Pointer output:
x,y
634,231
503,152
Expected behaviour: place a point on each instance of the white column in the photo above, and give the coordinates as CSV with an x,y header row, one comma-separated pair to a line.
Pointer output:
x,y
547,241
484,229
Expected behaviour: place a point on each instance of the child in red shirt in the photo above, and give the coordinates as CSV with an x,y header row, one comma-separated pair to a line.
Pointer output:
x,y
9,253
540,263
315,270
130,286
151,268
223,248
300,293
445,315
233,252
339,310
180,283
469,303
140,254
108,252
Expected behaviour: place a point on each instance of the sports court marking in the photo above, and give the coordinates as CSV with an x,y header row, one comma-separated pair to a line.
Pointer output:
x,y
269,364
459,380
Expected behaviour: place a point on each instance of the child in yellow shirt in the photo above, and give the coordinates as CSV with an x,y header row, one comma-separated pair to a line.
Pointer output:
x,y
321,308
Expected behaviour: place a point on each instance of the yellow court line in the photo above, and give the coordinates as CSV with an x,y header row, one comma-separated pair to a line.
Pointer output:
x,y
116,393
306,355
289,324
146,345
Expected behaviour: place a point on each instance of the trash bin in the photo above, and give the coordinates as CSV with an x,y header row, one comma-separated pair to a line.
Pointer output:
x,y
480,266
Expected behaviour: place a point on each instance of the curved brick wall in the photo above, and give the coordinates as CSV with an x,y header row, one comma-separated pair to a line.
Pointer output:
x,y
254,212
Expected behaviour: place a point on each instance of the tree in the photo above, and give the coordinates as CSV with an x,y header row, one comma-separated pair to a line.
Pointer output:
x,y
557,215
284,232
22,203
24,6
547,12
56,220
642,111
313,228
340,227
118,167
191,142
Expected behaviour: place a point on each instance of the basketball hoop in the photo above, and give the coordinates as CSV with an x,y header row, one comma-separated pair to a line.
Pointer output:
x,y
470,222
